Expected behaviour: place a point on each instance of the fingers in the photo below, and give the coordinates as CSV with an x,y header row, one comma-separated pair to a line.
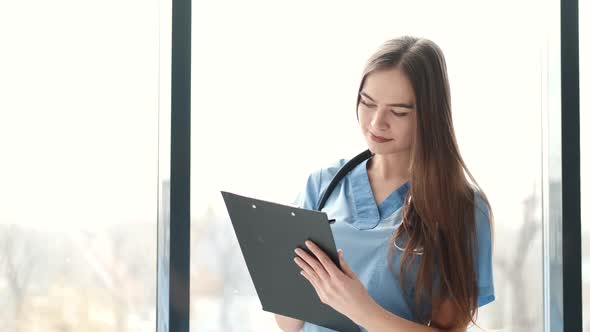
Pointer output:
x,y
345,267
316,284
310,264
325,277
311,280
325,261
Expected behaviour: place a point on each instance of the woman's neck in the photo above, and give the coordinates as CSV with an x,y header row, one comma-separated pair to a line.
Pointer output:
x,y
392,167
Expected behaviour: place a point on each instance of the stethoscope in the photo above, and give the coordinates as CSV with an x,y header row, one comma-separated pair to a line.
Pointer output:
x,y
351,164
415,251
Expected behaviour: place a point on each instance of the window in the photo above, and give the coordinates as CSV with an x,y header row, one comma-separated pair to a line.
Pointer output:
x,y
273,99
78,135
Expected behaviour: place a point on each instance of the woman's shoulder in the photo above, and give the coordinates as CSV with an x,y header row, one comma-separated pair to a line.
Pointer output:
x,y
482,212
316,182
330,169
480,201
324,174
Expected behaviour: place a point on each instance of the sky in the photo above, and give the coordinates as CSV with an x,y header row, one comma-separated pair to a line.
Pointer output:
x,y
272,100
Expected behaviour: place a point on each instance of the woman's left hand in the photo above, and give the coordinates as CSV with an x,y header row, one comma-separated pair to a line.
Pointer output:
x,y
340,289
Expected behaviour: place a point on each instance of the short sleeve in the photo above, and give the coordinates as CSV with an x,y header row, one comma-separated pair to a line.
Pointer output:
x,y
483,250
308,197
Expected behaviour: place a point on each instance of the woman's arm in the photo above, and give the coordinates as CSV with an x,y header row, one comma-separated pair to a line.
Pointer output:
x,y
288,324
383,320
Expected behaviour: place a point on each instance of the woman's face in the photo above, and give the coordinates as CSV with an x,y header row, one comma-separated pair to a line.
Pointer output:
x,y
387,108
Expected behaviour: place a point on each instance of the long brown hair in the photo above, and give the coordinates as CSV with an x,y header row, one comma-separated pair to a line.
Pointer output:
x,y
438,212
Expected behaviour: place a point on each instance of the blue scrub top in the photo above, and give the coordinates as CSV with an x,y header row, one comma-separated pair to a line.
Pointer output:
x,y
363,231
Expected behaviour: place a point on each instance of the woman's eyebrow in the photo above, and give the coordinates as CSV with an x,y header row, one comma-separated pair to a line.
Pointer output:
x,y
394,104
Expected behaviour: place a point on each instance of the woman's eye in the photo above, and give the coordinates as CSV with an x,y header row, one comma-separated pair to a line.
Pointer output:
x,y
398,114
392,111
366,104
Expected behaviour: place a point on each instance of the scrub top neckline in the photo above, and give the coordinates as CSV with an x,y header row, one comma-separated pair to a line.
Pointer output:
x,y
368,214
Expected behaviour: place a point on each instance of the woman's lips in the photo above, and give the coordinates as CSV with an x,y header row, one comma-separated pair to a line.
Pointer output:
x,y
379,139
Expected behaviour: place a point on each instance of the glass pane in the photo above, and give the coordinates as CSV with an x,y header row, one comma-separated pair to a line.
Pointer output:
x,y
79,142
274,99
164,161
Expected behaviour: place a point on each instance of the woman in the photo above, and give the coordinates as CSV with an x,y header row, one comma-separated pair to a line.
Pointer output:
x,y
415,235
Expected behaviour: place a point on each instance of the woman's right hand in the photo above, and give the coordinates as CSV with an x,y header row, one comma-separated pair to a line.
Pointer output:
x,y
288,324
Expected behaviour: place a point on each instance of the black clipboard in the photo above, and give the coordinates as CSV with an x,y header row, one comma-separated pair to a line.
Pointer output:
x,y
267,233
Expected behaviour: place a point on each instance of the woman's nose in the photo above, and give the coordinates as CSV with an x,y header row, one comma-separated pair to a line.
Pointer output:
x,y
379,120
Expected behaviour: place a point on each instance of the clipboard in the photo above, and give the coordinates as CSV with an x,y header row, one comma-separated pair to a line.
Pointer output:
x,y
267,233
